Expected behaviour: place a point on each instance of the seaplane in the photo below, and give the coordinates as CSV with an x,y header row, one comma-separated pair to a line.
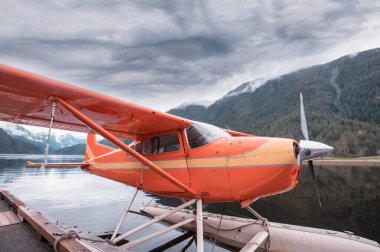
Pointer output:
x,y
196,162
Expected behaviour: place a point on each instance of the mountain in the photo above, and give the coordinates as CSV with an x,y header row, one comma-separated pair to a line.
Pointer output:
x,y
8,145
17,139
57,141
247,87
78,149
67,140
342,102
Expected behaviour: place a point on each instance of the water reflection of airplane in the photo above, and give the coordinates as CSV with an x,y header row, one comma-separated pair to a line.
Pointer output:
x,y
170,155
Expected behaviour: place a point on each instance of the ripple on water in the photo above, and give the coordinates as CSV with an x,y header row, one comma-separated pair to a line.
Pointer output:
x,y
39,157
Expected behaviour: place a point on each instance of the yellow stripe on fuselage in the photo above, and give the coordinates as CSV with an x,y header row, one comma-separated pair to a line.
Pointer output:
x,y
133,165
270,153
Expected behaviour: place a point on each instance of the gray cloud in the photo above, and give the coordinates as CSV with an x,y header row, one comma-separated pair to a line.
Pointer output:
x,y
163,53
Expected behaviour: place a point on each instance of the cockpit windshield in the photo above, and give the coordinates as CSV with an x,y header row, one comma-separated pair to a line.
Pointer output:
x,y
199,134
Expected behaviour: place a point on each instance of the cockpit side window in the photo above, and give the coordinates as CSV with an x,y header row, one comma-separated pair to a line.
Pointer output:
x,y
168,143
199,134
161,144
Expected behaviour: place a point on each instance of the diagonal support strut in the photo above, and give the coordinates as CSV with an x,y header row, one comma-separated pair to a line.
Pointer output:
x,y
124,215
155,220
110,137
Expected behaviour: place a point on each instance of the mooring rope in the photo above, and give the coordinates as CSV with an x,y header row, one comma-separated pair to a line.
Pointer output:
x,y
72,234
266,226
53,105
142,210
231,229
217,231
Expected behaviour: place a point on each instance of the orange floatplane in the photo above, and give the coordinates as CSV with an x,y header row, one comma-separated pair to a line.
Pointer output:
x,y
170,155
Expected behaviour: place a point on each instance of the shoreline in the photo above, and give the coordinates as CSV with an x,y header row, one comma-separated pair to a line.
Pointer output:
x,y
359,161
373,161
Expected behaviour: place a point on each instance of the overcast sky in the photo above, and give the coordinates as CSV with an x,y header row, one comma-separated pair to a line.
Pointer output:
x,y
163,53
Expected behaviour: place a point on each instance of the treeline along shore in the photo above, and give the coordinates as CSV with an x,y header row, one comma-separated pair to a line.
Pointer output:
x,y
363,161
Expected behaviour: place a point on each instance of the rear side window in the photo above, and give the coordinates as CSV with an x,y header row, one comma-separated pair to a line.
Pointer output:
x,y
161,144
138,147
147,149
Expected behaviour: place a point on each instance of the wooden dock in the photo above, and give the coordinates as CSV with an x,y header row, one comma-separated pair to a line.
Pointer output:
x,y
24,229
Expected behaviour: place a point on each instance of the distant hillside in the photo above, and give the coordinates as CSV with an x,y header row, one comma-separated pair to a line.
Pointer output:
x,y
8,145
108,143
78,149
342,102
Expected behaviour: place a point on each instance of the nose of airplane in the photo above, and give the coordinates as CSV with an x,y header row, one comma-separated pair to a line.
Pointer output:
x,y
316,149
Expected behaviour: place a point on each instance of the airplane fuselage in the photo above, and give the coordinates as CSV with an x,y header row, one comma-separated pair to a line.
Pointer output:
x,y
226,169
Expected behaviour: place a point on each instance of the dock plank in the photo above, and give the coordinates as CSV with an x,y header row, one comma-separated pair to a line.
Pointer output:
x,y
21,237
8,218
42,226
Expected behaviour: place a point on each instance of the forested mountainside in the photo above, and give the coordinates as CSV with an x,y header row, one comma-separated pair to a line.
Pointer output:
x,y
78,149
342,102
9,145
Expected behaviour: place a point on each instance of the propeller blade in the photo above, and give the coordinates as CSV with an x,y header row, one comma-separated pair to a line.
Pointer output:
x,y
312,172
303,120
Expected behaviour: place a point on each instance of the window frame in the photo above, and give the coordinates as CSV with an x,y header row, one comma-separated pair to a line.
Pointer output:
x,y
187,139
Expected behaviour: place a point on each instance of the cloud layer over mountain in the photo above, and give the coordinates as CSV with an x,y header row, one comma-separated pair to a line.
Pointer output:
x,y
163,53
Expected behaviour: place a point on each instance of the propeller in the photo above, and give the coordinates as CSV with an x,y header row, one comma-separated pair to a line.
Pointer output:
x,y
315,178
309,150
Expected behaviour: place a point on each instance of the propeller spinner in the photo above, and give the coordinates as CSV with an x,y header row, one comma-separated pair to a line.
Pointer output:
x,y
309,150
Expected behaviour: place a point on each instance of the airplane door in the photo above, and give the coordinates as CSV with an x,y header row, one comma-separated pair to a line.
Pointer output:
x,y
208,171
234,158
166,151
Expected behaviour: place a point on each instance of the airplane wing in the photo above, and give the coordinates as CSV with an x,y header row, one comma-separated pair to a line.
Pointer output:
x,y
24,99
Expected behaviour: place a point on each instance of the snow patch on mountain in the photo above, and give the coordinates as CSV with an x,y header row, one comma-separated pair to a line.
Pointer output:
x,y
353,55
14,129
246,87
250,86
195,103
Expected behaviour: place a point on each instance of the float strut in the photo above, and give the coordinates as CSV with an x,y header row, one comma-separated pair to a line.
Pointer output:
x,y
199,226
124,215
155,220
256,214
266,226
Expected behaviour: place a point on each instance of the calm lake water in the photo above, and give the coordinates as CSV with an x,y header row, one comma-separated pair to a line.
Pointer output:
x,y
350,200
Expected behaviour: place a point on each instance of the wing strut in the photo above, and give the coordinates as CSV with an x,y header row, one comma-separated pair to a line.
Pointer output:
x,y
110,137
